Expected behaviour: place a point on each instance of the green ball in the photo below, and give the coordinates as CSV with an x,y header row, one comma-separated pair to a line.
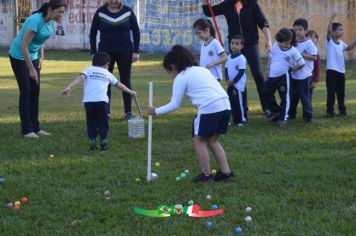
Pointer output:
x,y
178,178
186,171
183,175
191,202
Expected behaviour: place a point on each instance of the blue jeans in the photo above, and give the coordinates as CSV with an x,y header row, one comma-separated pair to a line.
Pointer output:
x,y
300,90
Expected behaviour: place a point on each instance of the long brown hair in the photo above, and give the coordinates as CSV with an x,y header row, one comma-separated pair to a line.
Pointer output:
x,y
53,4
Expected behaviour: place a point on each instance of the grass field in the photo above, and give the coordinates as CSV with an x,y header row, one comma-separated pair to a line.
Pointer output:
x,y
299,180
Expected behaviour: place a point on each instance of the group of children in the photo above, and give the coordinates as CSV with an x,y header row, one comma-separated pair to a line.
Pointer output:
x,y
293,70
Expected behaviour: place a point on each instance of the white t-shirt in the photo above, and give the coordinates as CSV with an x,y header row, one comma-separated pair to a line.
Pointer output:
x,y
309,48
233,66
201,87
282,60
96,82
210,53
335,59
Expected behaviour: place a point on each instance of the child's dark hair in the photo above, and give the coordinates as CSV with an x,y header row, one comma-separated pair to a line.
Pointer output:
x,y
202,24
301,22
101,59
239,37
53,4
335,25
312,33
180,57
285,34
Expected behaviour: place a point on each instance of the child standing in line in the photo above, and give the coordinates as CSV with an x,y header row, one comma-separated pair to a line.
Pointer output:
x,y
315,78
235,75
205,92
96,80
300,78
284,58
212,54
335,67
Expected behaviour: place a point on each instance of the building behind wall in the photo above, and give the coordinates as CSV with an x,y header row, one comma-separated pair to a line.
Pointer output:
x,y
165,23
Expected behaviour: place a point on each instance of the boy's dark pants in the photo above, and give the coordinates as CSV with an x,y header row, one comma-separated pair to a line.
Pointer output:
x,y
97,119
282,84
335,83
29,95
238,105
300,90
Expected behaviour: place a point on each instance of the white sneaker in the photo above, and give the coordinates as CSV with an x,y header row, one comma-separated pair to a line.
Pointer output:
x,y
30,135
43,133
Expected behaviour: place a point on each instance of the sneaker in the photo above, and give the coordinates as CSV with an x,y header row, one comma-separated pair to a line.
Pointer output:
x,y
104,145
30,135
42,133
308,120
242,123
343,114
128,116
92,145
224,176
281,123
330,114
271,115
202,178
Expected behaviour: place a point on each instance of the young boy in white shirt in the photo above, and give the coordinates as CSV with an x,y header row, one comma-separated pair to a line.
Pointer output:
x,y
300,78
335,68
96,80
235,75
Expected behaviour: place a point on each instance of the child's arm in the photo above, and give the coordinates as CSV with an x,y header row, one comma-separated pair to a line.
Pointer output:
x,y
328,36
125,89
222,59
309,57
351,46
296,67
66,91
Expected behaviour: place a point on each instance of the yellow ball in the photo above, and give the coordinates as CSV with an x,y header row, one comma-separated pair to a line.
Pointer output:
x,y
51,156
137,180
157,164
213,172
17,203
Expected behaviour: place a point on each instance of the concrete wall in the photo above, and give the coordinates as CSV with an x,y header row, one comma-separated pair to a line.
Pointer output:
x,y
164,23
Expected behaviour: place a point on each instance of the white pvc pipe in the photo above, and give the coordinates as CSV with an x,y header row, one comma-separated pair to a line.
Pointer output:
x,y
149,146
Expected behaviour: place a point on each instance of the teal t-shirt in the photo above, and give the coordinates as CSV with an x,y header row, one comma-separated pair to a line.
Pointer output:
x,y
36,23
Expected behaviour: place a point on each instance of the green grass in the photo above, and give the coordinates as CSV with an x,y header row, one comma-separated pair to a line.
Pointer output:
x,y
299,180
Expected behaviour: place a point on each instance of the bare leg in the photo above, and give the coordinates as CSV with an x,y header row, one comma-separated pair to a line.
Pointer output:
x,y
219,153
202,152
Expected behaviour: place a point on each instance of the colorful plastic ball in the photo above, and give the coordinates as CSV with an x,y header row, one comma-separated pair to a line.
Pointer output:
x,y
137,180
191,202
17,203
186,171
24,200
238,230
2,180
248,218
209,224
214,207
208,197
51,155
157,164
10,205
178,178
183,175
248,209
213,172
16,207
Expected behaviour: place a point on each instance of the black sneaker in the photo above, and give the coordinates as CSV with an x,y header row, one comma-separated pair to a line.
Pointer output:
x,y
343,114
202,178
308,120
271,115
104,145
281,123
128,116
224,176
92,145
330,114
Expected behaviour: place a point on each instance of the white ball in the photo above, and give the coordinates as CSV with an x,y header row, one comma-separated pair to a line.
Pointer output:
x,y
248,209
248,218
208,197
154,176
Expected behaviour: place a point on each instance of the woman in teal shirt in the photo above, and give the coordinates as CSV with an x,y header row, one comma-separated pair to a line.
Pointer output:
x,y
26,64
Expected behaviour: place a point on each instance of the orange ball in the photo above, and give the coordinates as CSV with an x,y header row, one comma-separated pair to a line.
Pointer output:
x,y
17,207
17,203
24,200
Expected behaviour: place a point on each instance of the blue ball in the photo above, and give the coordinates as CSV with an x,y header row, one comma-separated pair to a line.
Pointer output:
x,y
238,230
1,180
214,207
209,224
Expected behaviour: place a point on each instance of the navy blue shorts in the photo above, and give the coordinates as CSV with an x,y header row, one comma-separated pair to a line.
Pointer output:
x,y
208,125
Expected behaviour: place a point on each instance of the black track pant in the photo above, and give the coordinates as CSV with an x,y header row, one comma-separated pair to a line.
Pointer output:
x,y
335,83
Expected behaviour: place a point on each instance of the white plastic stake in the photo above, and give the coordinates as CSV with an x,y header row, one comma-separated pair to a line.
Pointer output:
x,y
149,147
